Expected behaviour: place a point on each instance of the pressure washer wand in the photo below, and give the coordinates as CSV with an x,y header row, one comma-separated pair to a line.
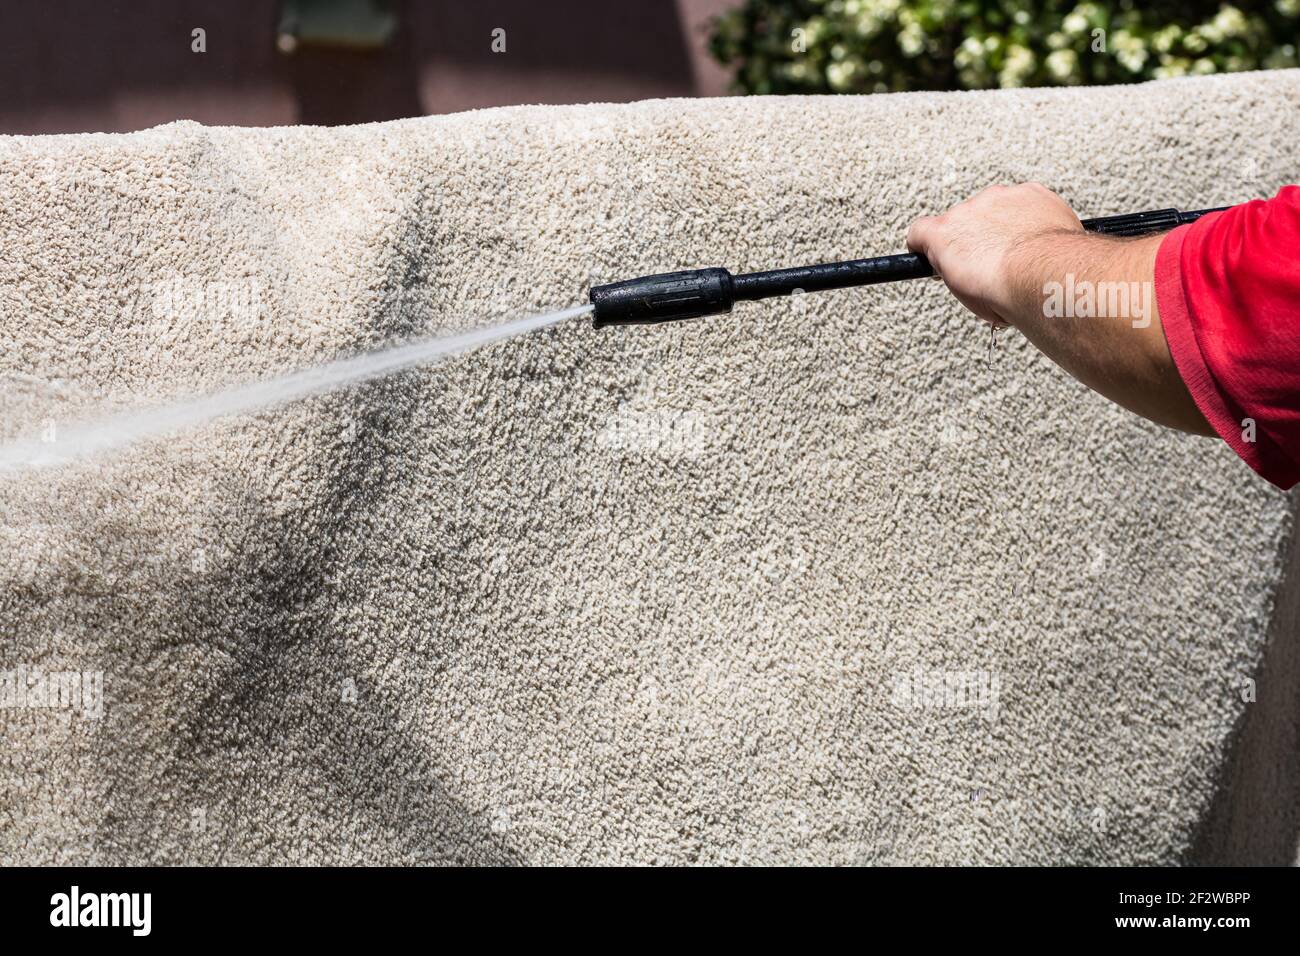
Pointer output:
x,y
700,292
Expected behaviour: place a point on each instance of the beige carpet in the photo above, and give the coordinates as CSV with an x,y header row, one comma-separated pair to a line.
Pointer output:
x,y
812,583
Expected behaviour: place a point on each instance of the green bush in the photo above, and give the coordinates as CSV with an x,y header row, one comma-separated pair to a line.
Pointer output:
x,y
866,46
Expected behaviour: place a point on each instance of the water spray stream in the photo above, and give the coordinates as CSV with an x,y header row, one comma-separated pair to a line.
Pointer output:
x,y
126,428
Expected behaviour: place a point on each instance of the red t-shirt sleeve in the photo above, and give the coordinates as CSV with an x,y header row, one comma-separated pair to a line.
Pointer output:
x,y
1228,288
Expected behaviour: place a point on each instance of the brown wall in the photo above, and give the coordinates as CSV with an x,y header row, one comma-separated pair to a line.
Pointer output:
x,y
88,65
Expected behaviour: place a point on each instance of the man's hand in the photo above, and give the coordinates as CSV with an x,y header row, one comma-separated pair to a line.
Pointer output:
x,y
974,247
1014,255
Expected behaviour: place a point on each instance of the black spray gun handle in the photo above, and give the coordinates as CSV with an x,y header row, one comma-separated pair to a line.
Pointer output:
x,y
699,292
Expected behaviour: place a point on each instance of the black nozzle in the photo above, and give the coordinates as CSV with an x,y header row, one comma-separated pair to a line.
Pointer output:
x,y
662,298
700,292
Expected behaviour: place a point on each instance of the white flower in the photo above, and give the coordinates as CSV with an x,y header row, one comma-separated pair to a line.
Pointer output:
x,y
911,39
1129,51
1176,66
1063,65
1230,22
1017,67
1165,39
840,75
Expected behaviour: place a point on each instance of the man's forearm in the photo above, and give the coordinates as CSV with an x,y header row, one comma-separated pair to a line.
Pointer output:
x,y
1088,302
1019,255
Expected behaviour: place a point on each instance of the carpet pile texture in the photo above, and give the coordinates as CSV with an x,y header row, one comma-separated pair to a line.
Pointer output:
x,y
813,583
